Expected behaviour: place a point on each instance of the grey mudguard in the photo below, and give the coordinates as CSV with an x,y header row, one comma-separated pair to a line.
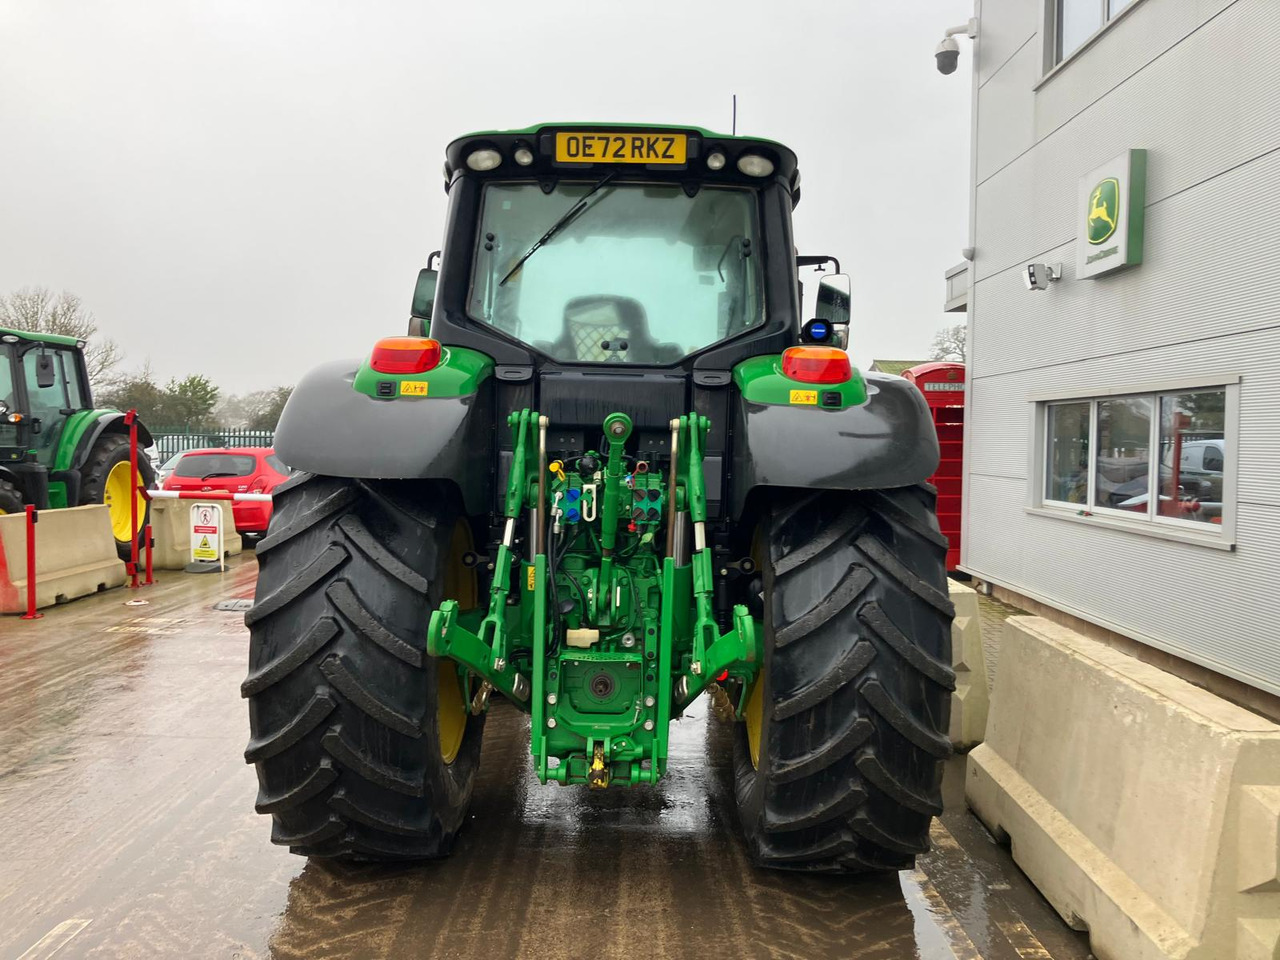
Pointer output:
x,y
329,428
889,441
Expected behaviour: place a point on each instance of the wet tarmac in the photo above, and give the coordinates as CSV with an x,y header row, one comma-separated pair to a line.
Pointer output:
x,y
129,831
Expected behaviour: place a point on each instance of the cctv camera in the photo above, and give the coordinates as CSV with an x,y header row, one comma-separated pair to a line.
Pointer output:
x,y
948,55
1038,276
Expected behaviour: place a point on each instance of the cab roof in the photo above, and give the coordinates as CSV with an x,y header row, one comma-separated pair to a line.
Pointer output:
x,y
50,338
540,139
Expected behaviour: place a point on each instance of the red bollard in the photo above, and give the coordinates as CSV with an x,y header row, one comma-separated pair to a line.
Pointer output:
x,y
131,418
146,533
31,565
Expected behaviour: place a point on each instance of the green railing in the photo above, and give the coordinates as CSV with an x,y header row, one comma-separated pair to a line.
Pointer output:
x,y
170,441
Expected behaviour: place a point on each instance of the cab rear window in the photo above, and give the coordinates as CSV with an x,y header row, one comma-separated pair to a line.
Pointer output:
x,y
215,465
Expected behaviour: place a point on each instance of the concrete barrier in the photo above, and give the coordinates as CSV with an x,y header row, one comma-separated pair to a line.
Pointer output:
x,y
75,556
969,703
171,530
1145,809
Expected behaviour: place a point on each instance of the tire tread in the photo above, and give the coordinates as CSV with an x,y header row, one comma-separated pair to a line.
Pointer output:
x,y
859,685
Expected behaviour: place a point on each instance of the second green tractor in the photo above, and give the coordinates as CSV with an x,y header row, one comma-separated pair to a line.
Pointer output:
x,y
57,447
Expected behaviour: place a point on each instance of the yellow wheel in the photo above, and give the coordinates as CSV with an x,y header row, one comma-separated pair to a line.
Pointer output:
x,y
452,707
115,494
451,710
753,716
104,478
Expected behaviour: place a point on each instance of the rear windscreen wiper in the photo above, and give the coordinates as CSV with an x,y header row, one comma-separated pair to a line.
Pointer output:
x,y
218,474
565,219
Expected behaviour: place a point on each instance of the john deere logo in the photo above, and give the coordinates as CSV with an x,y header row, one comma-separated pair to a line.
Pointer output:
x,y
1104,210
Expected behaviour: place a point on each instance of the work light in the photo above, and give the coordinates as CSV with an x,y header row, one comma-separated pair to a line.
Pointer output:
x,y
754,165
483,159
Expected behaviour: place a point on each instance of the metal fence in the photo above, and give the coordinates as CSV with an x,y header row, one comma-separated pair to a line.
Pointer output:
x,y
170,441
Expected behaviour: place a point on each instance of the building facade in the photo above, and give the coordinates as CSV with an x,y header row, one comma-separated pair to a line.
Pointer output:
x,y
1123,444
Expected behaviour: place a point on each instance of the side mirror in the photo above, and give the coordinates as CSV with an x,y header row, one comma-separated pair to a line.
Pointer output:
x,y
424,295
834,306
45,377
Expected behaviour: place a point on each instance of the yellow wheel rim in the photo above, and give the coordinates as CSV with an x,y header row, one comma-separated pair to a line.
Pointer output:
x,y
115,494
451,698
754,719
753,716
451,711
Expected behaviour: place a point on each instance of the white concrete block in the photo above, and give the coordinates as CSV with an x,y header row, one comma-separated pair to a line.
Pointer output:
x,y
1145,809
969,703
75,556
171,530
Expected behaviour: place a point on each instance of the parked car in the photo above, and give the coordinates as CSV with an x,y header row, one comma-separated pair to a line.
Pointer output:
x,y
167,468
232,470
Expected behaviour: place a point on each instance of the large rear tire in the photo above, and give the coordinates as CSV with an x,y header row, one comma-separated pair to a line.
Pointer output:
x,y
363,744
838,767
105,477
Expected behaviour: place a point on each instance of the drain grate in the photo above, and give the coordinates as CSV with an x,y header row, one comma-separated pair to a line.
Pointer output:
x,y
233,606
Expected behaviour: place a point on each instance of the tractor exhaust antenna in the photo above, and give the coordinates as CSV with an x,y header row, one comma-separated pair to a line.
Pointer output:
x,y
734,122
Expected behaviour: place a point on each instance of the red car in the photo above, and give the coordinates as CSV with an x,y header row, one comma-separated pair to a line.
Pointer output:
x,y
234,470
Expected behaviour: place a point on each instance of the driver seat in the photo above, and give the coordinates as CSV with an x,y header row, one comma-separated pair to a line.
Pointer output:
x,y
595,327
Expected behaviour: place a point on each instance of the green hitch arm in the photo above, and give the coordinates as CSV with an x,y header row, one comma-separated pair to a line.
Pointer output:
x,y
493,628
705,631
617,428
448,638
737,651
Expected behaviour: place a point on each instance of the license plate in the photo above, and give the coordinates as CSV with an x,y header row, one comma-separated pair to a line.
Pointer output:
x,y
584,147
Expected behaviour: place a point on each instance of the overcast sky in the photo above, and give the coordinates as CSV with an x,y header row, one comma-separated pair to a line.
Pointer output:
x,y
245,188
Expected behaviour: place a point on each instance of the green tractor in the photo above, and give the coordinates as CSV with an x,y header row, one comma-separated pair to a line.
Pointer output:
x,y
621,471
56,448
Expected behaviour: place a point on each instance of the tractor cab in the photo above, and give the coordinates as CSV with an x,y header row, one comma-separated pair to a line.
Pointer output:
x,y
585,258
42,383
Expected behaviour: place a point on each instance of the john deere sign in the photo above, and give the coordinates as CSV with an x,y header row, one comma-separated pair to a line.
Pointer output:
x,y
1112,204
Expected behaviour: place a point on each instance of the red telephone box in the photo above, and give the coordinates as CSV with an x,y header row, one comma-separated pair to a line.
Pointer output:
x,y
942,384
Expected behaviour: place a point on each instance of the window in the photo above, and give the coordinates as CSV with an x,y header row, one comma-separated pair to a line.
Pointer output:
x,y
1106,456
1192,455
1123,457
208,465
45,404
643,273
278,465
1067,470
1075,21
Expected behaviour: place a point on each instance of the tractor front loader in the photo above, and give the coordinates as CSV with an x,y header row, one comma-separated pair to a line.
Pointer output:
x,y
619,472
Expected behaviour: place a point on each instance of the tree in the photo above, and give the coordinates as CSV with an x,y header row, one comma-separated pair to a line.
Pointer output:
x,y
949,344
259,410
189,402
38,310
137,391
268,405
